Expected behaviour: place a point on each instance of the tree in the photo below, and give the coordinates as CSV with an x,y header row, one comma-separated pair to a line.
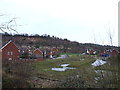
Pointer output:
x,y
65,47
94,37
9,25
24,55
110,34
65,39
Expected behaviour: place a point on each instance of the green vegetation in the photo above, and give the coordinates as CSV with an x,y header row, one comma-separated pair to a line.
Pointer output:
x,y
110,76
24,55
70,54
45,67
40,75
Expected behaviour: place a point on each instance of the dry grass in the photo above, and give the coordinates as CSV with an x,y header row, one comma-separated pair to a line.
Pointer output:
x,y
16,74
40,75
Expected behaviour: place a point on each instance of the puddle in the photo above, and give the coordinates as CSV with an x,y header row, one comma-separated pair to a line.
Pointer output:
x,y
58,69
64,67
98,63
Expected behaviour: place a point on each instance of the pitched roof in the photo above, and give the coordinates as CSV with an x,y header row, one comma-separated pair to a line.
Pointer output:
x,y
8,44
38,50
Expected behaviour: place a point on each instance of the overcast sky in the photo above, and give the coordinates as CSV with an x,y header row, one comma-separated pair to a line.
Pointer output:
x,y
85,21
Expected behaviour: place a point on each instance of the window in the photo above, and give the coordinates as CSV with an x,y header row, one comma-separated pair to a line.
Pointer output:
x,y
11,53
8,53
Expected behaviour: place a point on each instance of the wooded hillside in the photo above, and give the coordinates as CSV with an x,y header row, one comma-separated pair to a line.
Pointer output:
x,y
64,45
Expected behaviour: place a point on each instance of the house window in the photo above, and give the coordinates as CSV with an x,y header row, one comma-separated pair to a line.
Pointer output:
x,y
8,53
11,53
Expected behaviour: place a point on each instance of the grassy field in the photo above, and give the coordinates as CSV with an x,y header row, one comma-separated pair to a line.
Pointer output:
x,y
39,74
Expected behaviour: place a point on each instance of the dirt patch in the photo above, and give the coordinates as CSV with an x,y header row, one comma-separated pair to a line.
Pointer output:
x,y
40,82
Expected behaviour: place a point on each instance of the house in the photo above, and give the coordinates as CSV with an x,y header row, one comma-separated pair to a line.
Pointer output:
x,y
91,52
48,53
22,50
109,52
87,52
38,54
26,52
51,52
10,51
114,52
29,52
54,52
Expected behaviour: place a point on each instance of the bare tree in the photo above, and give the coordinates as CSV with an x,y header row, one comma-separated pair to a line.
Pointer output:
x,y
93,37
102,38
110,34
10,26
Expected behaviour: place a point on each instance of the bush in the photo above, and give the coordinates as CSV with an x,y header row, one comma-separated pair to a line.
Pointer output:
x,y
24,55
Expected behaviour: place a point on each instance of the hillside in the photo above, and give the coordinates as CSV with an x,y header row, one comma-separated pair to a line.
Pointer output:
x,y
75,71
42,41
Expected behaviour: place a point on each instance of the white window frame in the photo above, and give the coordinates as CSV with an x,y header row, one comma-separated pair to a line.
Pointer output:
x,y
8,53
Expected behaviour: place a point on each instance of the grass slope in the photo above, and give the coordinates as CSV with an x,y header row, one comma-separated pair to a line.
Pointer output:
x,y
40,75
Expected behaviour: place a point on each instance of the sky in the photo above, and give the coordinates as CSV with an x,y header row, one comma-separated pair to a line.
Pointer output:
x,y
84,21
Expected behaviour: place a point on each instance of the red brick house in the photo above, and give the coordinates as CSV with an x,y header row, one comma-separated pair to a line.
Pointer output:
x,y
111,52
48,52
30,52
38,54
90,52
10,51
114,52
54,51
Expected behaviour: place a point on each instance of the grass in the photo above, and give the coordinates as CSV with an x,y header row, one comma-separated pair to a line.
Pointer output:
x,y
82,77
70,54
83,69
16,74
45,67
111,78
